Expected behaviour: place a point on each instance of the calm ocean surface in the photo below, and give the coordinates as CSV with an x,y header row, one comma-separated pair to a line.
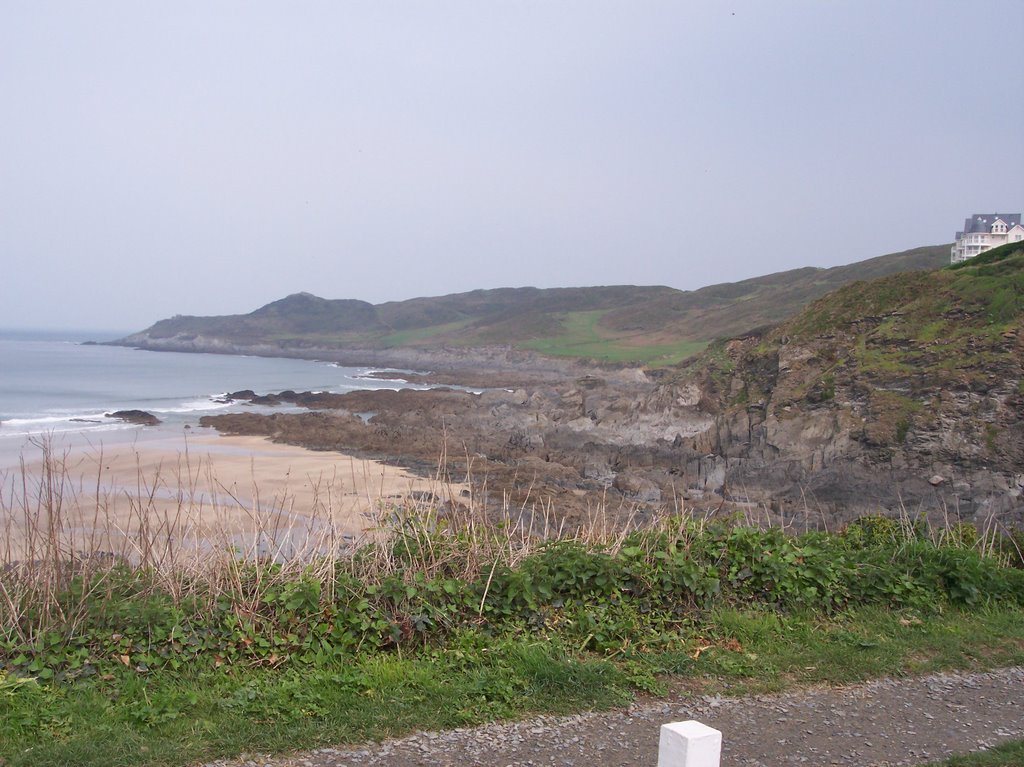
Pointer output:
x,y
48,380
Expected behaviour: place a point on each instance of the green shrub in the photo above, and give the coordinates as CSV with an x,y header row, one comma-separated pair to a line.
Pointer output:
x,y
648,593
1010,546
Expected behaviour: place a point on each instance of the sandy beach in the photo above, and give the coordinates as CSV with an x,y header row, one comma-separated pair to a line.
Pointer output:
x,y
164,493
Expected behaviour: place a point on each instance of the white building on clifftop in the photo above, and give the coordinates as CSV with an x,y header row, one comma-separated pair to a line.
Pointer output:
x,y
984,231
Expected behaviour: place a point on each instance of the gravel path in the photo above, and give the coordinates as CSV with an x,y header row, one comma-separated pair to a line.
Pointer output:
x,y
887,722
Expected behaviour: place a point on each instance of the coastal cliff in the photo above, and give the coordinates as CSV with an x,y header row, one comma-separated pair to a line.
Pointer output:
x,y
897,396
901,394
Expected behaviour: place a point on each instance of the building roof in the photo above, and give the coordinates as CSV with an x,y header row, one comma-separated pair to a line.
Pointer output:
x,y
982,222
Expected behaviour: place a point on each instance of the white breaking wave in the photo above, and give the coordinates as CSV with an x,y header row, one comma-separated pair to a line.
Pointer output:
x,y
194,406
60,423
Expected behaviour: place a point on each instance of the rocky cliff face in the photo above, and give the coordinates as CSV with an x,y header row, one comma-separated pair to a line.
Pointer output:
x,y
900,395
795,451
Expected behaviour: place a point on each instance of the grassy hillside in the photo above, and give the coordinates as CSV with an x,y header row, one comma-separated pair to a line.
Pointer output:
x,y
927,321
298,315
735,308
652,325
913,358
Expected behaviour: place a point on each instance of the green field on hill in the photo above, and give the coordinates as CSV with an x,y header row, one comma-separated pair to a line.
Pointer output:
x,y
584,337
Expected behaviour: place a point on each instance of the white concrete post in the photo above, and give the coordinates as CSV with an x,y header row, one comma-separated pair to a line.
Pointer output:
x,y
689,744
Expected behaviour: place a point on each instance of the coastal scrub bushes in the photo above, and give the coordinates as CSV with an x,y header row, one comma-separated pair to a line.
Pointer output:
x,y
428,585
441,621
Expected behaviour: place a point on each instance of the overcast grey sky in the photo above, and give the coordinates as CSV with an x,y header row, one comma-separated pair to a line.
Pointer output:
x,y
210,157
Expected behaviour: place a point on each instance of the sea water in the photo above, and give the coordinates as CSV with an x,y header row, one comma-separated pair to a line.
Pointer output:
x,y
54,384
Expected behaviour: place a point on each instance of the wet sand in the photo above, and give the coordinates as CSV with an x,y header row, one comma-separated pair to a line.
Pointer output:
x,y
208,492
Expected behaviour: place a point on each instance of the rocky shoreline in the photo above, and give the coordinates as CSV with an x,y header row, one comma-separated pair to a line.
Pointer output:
x,y
623,445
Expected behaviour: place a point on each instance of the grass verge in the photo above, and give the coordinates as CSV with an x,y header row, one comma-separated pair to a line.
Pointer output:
x,y
202,712
1006,755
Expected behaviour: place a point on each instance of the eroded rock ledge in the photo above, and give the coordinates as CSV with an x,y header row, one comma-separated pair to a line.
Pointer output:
x,y
635,447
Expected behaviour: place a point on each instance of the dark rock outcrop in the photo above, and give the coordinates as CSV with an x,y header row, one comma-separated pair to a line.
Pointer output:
x,y
138,417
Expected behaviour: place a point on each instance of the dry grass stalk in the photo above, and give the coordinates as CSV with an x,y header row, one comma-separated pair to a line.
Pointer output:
x,y
177,535
173,528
